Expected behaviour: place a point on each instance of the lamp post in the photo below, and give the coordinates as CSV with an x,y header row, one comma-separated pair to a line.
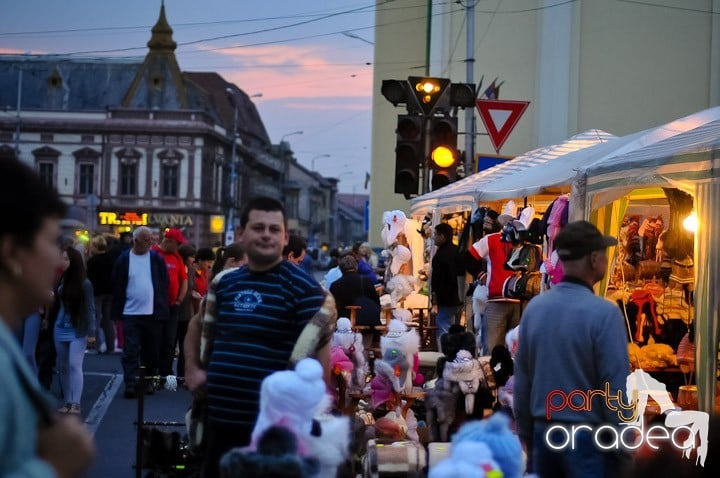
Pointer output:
x,y
230,226
282,138
312,161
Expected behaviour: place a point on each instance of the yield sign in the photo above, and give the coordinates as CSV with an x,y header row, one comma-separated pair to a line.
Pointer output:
x,y
500,117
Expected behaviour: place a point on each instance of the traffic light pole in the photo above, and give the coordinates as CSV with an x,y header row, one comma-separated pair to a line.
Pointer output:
x,y
470,67
427,142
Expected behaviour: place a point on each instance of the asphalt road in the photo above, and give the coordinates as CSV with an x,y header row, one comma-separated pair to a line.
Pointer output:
x,y
111,417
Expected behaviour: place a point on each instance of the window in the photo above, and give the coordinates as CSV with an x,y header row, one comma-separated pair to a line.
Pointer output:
x,y
128,179
169,181
291,205
86,179
46,171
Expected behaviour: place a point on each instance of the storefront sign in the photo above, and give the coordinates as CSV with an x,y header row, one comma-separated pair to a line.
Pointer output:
x,y
217,224
144,219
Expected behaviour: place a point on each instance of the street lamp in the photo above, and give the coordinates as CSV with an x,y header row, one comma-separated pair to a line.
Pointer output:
x,y
312,161
230,226
282,138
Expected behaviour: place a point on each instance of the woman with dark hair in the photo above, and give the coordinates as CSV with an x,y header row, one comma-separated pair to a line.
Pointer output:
x,y
187,306
33,440
74,316
228,257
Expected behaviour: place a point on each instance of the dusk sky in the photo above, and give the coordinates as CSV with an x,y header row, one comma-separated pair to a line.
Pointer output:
x,y
301,56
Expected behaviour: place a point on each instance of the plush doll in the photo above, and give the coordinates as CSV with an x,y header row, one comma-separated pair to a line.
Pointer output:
x,y
385,387
467,460
467,373
296,400
440,408
351,343
407,342
276,457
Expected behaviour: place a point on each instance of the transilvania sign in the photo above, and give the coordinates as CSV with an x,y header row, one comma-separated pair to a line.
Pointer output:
x,y
131,218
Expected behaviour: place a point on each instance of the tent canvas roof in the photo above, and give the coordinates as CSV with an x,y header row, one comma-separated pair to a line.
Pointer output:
x,y
463,194
563,170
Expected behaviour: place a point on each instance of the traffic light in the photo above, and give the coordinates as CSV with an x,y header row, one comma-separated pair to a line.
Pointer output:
x,y
409,155
444,154
430,93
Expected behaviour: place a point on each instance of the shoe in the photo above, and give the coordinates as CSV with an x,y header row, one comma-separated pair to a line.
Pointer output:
x,y
64,409
130,392
103,348
74,409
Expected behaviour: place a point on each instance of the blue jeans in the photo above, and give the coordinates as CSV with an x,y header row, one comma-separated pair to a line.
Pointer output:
x,y
70,356
443,320
142,342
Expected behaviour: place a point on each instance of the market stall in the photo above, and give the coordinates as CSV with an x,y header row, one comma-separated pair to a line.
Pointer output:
x,y
690,162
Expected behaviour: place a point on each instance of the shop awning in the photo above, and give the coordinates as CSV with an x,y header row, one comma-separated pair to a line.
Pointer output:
x,y
461,195
680,160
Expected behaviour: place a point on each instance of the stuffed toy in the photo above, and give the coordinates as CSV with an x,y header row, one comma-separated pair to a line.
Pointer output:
x,y
341,365
385,387
440,409
276,457
495,433
467,373
401,287
296,400
351,343
467,460
407,342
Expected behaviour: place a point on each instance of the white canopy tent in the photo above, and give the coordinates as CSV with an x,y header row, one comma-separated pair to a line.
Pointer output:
x,y
689,161
462,195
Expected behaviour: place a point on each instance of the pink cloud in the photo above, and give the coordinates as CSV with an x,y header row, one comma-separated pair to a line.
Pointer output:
x,y
289,71
329,106
17,51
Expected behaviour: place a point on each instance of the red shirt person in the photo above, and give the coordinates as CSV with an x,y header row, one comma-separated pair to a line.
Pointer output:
x,y
177,288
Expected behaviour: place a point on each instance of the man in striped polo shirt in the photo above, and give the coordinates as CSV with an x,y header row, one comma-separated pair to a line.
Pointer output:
x,y
267,315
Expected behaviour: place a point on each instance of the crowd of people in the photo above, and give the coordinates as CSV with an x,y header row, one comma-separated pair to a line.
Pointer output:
x,y
246,321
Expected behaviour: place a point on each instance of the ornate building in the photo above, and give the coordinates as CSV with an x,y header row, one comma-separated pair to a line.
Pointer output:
x,y
129,143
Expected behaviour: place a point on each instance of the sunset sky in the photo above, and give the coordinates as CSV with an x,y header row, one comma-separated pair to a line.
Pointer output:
x,y
310,59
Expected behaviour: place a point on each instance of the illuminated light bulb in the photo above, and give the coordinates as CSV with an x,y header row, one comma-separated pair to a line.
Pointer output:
x,y
443,156
691,222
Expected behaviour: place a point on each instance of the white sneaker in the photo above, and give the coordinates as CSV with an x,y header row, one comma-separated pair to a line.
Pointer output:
x,y
102,348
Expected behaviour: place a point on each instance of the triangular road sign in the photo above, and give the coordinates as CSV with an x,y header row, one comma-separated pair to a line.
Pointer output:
x,y
500,117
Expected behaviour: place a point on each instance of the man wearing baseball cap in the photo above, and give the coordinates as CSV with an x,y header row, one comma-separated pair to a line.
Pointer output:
x,y
177,288
571,340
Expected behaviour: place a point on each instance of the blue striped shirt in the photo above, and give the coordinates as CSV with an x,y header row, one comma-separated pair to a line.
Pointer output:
x,y
260,316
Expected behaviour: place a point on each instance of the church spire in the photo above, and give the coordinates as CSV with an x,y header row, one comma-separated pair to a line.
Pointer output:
x,y
162,39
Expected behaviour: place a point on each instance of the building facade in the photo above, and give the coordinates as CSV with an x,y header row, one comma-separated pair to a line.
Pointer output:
x,y
129,142
616,66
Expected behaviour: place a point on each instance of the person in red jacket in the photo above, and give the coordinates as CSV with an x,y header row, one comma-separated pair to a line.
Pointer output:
x,y
501,314
177,288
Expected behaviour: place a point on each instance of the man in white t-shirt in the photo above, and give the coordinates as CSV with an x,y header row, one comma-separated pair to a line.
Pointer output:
x,y
140,300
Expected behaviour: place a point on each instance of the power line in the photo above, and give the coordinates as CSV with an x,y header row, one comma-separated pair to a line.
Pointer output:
x,y
270,42
670,7
175,25
179,26
235,35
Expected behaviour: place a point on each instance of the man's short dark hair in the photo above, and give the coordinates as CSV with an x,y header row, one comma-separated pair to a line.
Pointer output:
x,y
445,230
20,185
261,203
296,245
